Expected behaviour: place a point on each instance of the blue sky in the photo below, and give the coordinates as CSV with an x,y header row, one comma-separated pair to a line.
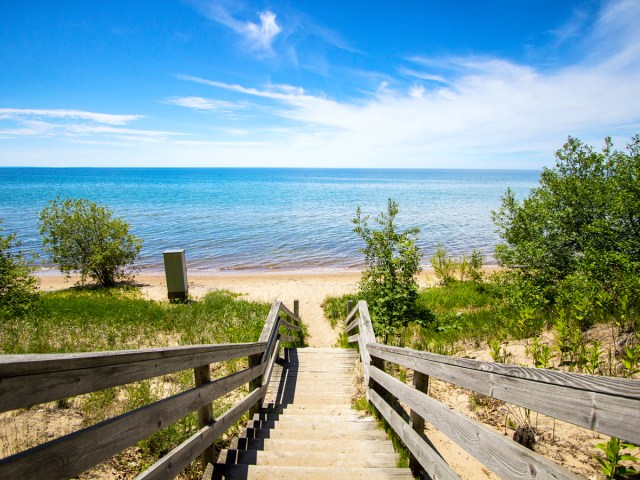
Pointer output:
x,y
460,84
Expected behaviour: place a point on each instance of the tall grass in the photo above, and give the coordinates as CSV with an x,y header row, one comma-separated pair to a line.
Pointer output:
x,y
78,320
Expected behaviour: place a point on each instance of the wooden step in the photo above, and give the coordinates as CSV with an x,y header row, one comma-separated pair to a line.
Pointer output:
x,y
272,472
353,446
300,458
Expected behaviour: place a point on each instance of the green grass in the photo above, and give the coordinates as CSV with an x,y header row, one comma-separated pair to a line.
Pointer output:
x,y
335,308
79,320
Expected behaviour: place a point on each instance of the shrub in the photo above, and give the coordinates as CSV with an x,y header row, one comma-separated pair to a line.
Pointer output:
x,y
468,267
84,236
581,222
17,286
393,260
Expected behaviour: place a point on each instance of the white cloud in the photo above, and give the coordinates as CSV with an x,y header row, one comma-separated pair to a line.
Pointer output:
x,y
486,108
70,124
200,103
258,36
110,119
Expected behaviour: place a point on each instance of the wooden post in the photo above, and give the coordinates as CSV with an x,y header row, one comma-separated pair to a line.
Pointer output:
x,y
255,383
296,308
349,306
416,422
205,414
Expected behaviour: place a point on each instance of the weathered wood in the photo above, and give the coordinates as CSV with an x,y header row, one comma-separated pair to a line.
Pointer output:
x,y
287,338
29,364
205,413
353,312
72,454
349,306
574,398
269,323
354,338
505,457
24,384
283,308
180,457
296,308
354,323
622,387
416,422
290,326
430,459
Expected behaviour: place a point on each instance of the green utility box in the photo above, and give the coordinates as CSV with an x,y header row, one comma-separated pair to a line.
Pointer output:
x,y
175,269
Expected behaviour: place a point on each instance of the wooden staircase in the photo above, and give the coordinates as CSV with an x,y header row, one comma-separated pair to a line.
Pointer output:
x,y
308,428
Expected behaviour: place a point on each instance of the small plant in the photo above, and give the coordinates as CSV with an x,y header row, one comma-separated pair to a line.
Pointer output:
x,y
541,354
611,465
593,353
444,266
630,360
497,352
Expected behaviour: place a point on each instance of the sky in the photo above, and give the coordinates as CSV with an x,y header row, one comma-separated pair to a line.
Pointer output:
x,y
496,84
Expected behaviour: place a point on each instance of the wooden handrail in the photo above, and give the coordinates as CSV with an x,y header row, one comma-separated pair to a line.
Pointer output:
x,y
31,379
603,404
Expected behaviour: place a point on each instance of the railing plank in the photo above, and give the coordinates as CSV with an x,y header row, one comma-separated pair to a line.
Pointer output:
x,y
354,338
289,313
622,387
430,459
284,323
505,457
29,364
180,457
53,380
352,325
575,398
72,454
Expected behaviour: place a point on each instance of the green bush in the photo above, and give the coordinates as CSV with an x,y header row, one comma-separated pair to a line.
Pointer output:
x,y
468,267
84,236
580,227
393,260
17,286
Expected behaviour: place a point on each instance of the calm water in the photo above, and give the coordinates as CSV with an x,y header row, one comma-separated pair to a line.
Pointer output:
x,y
232,219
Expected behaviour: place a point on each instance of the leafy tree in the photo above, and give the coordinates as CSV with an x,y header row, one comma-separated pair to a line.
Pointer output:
x,y
84,236
581,226
393,260
17,286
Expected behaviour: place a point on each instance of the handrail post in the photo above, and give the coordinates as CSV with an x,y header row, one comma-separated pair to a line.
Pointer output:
x,y
349,306
202,376
256,383
416,422
296,308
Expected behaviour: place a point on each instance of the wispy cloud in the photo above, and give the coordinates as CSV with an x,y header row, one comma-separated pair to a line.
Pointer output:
x,y
461,110
200,103
258,36
110,119
73,124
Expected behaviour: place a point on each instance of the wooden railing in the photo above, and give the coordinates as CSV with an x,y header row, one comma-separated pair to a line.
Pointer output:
x,y
27,380
603,404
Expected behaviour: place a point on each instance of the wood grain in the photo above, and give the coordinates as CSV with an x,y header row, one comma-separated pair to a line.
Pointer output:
x,y
575,398
52,380
430,459
500,454
72,454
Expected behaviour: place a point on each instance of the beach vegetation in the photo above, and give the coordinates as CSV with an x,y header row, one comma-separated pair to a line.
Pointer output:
x,y
393,261
574,243
466,267
84,236
17,284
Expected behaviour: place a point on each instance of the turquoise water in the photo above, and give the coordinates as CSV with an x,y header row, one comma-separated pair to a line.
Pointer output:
x,y
258,219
